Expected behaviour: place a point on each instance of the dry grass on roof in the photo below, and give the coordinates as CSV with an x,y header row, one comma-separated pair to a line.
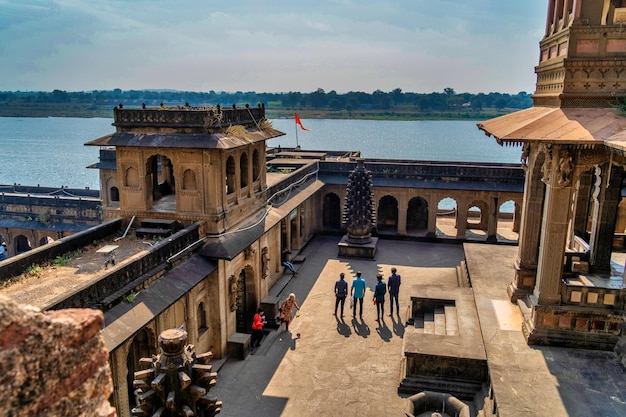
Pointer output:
x,y
237,131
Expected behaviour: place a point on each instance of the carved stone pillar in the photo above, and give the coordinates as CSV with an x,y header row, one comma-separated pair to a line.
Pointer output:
x,y
402,210
461,218
530,225
492,221
606,200
558,167
581,208
432,216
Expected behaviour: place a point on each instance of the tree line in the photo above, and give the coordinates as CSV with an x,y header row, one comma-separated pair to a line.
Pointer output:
x,y
318,103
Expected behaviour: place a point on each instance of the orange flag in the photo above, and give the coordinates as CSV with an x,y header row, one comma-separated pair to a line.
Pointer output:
x,y
299,122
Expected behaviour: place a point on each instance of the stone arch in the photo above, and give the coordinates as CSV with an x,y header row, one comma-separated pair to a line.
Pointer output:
x,y
243,170
477,215
331,211
447,210
189,180
4,249
230,175
417,214
387,218
144,345
45,240
160,170
507,213
21,244
256,165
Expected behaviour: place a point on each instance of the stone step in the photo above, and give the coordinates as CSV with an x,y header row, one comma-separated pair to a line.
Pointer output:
x,y
159,224
440,321
452,322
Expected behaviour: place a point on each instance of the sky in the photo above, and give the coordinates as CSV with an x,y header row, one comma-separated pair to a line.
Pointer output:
x,y
419,46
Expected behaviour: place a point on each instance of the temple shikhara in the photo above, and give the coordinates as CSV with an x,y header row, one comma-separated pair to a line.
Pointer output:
x,y
198,218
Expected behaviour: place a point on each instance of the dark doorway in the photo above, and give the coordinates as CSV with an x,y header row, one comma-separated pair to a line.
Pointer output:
x,y
331,212
417,214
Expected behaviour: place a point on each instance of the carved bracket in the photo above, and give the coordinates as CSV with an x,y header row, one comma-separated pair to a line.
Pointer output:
x,y
232,293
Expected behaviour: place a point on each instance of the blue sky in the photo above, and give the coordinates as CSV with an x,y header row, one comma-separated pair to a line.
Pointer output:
x,y
271,46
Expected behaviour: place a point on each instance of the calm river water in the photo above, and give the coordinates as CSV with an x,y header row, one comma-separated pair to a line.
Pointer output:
x,y
51,151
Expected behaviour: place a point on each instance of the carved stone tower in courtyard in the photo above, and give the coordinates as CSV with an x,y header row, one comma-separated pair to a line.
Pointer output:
x,y
185,164
574,142
358,215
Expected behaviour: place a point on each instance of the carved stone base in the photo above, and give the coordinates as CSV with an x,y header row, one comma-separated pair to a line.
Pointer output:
x,y
571,327
352,250
523,284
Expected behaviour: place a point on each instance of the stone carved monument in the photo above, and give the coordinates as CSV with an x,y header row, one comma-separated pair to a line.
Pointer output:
x,y
177,381
358,215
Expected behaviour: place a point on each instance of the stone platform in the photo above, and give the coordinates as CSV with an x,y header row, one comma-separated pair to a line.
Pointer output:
x,y
449,356
348,249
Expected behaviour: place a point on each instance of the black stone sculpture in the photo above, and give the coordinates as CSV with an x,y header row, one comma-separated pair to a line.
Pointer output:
x,y
358,212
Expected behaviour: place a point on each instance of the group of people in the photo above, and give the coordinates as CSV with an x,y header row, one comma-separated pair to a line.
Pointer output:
x,y
357,294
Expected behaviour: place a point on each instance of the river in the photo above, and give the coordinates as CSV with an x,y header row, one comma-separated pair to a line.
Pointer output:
x,y
51,151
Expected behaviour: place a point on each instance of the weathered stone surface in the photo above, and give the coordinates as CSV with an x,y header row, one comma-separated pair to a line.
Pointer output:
x,y
53,363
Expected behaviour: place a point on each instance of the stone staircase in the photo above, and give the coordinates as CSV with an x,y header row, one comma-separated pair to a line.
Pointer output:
x,y
440,321
151,228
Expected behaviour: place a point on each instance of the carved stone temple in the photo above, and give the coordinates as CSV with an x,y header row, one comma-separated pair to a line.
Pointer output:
x,y
574,155
358,215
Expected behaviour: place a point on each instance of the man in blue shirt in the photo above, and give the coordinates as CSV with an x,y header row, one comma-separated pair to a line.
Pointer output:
x,y
393,284
341,292
358,291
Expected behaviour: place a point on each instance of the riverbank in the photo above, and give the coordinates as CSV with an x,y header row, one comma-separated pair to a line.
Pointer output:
x,y
11,109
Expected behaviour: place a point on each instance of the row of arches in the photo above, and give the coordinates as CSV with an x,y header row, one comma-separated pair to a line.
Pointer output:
x,y
21,243
388,212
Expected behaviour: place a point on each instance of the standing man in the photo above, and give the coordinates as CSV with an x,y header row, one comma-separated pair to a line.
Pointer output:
x,y
341,292
394,290
379,297
358,290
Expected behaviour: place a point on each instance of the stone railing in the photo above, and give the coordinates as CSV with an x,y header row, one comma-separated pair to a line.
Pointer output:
x,y
483,172
188,117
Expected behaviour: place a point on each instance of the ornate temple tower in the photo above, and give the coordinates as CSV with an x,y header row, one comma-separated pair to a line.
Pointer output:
x,y
574,145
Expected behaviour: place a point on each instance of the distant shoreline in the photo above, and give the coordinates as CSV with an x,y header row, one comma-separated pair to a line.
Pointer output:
x,y
275,114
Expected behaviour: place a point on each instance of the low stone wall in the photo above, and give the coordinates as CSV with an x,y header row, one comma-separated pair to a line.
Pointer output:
x,y
53,363
126,272
16,265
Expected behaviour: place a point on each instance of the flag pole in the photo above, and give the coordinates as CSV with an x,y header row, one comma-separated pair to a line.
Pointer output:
x,y
295,125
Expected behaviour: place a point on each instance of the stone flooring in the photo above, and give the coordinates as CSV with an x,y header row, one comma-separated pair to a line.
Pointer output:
x,y
328,366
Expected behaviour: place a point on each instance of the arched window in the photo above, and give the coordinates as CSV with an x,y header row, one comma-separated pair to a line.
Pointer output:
x,y
243,169
256,165
230,175
201,318
114,193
